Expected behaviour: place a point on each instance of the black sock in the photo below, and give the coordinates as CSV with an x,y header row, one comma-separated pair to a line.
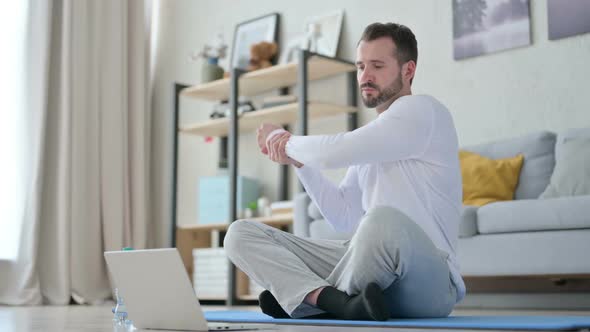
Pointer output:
x,y
271,306
368,305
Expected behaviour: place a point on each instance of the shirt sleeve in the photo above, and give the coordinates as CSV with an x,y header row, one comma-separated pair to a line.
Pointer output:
x,y
340,205
401,132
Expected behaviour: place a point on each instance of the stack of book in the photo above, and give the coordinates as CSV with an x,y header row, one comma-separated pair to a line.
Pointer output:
x,y
210,272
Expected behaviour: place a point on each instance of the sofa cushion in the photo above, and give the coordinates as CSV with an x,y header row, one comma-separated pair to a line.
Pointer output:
x,y
468,223
538,150
571,176
530,253
487,180
568,135
534,215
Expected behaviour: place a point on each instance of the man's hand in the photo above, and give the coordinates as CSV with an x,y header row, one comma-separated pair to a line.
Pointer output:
x,y
275,147
262,133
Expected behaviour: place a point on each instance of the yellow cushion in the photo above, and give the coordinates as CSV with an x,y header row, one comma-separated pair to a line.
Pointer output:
x,y
487,180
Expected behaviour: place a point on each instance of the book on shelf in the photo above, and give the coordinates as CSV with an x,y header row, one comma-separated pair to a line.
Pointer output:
x,y
210,273
281,207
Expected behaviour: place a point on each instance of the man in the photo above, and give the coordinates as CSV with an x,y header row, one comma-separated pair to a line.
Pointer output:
x,y
401,196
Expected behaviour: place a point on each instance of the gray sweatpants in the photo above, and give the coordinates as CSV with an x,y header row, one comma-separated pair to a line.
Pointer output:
x,y
388,248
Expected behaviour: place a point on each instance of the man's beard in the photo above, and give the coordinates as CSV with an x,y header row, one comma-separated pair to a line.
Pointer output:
x,y
382,96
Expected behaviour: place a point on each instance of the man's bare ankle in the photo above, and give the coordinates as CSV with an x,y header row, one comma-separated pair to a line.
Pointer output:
x,y
312,297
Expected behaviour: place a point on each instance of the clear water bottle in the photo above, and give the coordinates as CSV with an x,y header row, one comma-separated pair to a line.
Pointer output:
x,y
119,310
120,317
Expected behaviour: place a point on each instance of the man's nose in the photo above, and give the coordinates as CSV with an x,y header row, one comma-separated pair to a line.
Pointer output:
x,y
366,76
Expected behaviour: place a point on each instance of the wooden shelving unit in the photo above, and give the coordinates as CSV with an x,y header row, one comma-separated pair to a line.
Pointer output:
x,y
249,297
270,78
200,236
308,67
279,220
280,115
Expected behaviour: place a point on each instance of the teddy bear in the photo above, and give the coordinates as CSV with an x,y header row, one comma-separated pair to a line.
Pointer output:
x,y
260,55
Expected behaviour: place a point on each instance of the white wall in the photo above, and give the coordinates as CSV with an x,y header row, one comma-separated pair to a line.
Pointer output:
x,y
542,86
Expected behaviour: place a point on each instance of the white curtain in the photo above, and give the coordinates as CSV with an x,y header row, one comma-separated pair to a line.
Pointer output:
x,y
88,87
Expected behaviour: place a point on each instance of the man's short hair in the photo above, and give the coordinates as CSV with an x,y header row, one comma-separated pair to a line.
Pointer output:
x,y
402,36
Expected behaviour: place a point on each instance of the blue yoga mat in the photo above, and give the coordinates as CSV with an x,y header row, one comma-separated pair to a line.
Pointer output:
x,y
459,322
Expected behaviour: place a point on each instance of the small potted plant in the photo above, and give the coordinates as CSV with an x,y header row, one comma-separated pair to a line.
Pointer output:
x,y
212,53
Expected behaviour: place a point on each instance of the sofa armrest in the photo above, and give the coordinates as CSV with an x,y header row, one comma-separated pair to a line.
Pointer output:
x,y
309,222
468,223
301,218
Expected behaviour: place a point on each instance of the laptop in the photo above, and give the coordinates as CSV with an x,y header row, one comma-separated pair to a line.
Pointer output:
x,y
158,293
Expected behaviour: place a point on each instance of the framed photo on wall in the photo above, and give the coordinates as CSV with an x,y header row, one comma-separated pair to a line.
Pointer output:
x,y
264,28
568,18
324,32
321,34
487,26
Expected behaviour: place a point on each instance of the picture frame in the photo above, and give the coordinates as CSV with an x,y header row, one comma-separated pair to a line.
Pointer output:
x,y
263,28
489,26
324,32
299,42
567,18
321,35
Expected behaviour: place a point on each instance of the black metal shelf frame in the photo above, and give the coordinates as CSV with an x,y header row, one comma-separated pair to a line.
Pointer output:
x,y
230,147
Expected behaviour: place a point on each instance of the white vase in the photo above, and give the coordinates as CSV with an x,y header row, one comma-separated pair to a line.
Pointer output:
x,y
262,204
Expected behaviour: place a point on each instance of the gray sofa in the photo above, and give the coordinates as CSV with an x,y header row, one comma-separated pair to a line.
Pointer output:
x,y
547,240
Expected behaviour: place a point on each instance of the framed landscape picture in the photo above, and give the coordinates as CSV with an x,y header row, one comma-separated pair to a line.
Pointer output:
x,y
567,18
487,26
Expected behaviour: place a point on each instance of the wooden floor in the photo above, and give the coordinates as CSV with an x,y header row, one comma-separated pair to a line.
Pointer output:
x,y
99,318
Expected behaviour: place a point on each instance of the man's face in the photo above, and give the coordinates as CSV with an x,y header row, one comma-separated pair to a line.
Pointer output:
x,y
379,74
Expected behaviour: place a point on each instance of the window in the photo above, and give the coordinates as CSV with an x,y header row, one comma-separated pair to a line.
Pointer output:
x,y
13,28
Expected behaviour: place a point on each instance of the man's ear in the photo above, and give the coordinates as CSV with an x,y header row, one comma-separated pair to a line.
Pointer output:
x,y
409,70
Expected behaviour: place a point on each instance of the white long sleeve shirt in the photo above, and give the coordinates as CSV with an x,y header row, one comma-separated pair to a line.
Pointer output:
x,y
407,158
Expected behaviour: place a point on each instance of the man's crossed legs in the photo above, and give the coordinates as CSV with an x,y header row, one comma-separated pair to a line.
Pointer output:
x,y
388,252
